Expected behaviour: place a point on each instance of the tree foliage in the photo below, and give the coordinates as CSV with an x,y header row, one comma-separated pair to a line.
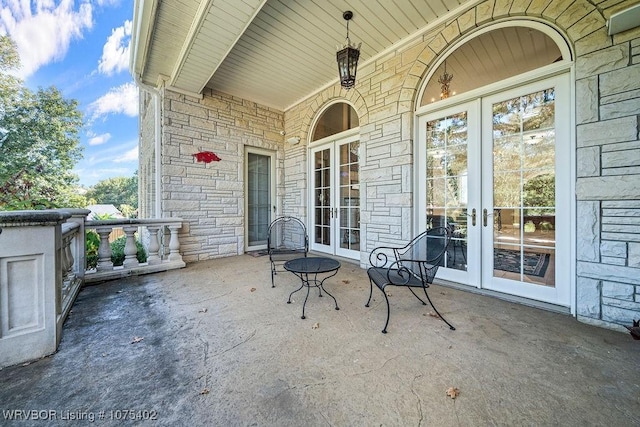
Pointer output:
x,y
116,191
39,142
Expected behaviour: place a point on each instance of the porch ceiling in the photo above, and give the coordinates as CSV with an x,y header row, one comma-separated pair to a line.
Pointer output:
x,y
275,52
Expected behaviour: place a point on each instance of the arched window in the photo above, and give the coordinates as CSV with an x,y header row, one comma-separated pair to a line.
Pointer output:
x,y
491,57
335,119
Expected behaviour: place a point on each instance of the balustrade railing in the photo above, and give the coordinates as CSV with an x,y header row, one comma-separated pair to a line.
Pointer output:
x,y
43,267
161,240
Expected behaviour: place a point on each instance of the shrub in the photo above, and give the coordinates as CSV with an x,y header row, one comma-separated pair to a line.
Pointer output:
x,y
92,243
117,251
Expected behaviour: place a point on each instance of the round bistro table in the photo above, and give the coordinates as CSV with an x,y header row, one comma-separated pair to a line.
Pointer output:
x,y
308,270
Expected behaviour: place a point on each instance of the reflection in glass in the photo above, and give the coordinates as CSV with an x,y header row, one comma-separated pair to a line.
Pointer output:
x,y
524,188
446,186
258,198
335,119
349,210
322,196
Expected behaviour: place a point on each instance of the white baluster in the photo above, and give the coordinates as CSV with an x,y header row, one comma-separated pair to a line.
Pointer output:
x,y
104,251
130,248
174,243
154,245
69,258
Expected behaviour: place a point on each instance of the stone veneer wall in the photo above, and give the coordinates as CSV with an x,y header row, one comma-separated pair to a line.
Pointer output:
x,y
210,197
607,71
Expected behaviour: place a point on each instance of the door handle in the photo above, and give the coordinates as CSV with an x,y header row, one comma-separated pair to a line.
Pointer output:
x,y
473,217
485,216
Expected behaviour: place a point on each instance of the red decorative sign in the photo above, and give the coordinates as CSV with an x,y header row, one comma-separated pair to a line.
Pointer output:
x,y
206,156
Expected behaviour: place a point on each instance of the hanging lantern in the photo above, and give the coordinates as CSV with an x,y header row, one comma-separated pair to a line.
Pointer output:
x,y
348,58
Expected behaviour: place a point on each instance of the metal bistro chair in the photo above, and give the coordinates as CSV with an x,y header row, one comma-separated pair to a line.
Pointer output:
x,y
414,266
287,239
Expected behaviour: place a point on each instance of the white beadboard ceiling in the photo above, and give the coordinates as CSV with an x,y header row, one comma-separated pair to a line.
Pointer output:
x,y
277,52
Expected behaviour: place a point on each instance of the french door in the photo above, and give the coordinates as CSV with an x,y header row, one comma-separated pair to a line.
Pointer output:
x,y
335,197
260,207
496,171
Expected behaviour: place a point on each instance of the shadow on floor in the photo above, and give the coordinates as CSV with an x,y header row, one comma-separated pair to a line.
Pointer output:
x,y
214,344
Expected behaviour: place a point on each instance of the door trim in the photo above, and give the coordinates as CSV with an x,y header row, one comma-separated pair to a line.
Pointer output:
x,y
560,294
565,159
471,276
272,190
332,143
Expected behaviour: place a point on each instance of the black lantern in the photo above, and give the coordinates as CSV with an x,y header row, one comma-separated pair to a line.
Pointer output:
x,y
348,58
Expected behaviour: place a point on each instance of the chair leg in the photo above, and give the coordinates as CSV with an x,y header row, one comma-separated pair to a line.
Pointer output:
x,y
384,331
273,272
370,292
420,299
436,310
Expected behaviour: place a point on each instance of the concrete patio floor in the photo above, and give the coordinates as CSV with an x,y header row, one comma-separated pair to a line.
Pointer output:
x,y
214,345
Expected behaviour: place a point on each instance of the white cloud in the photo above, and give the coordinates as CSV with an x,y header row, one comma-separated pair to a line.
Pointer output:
x,y
119,100
43,30
129,156
115,52
100,139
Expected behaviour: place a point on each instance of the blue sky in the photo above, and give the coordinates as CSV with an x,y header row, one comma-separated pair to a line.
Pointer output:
x,y
82,48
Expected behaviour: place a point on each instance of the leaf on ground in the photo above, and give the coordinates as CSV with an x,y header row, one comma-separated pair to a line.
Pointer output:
x,y
434,315
346,282
453,392
315,325
253,289
205,391
137,340
203,310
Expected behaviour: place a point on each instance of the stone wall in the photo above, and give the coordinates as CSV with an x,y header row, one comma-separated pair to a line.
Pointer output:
x,y
209,197
607,91
608,164
608,177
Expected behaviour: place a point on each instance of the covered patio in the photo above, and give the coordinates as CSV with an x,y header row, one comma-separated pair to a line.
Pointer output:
x,y
214,344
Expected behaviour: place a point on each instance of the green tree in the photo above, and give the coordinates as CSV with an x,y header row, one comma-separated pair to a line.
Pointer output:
x,y
39,142
116,191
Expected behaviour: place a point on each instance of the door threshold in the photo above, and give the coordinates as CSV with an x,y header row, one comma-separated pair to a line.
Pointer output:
x,y
336,257
505,297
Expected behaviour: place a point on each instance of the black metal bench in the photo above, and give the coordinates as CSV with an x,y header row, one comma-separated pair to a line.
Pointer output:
x,y
413,266
287,239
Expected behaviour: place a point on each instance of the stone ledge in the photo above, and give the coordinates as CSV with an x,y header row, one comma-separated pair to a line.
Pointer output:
x,y
119,273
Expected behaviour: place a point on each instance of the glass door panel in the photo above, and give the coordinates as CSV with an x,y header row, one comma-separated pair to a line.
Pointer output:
x,y
349,199
450,159
524,187
259,198
336,197
497,172
322,198
447,171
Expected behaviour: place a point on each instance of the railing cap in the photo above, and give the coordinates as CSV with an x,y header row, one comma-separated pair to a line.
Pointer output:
x,y
33,218
124,221
76,212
